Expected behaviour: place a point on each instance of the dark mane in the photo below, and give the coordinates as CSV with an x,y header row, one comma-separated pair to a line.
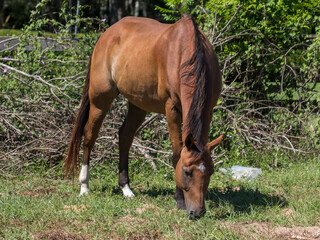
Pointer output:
x,y
194,72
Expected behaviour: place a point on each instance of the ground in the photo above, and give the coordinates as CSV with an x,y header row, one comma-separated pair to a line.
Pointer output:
x,y
282,204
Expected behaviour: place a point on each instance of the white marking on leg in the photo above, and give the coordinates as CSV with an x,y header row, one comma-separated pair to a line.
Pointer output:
x,y
84,179
127,191
201,167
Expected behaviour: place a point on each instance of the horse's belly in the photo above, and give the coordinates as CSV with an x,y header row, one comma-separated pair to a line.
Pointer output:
x,y
147,104
142,94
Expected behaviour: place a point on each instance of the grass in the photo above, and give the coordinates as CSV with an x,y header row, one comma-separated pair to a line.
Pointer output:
x,y
38,207
18,32
10,32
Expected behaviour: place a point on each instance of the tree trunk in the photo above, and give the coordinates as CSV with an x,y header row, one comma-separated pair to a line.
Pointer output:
x,y
1,13
116,10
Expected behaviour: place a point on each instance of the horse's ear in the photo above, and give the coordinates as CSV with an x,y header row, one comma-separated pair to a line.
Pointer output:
x,y
190,143
212,145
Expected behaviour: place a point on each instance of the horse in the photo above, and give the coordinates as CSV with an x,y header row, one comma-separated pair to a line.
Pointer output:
x,y
164,68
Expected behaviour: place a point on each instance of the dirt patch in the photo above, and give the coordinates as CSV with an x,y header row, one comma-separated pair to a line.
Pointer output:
x,y
57,235
287,212
17,222
148,207
129,220
258,230
132,225
39,192
75,208
147,235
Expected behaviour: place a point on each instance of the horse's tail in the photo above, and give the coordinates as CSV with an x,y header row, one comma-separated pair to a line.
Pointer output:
x,y
71,161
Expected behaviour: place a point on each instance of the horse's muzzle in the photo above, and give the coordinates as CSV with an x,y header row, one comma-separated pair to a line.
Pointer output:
x,y
193,215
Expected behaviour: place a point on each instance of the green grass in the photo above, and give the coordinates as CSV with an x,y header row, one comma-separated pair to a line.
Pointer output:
x,y
33,206
18,32
10,32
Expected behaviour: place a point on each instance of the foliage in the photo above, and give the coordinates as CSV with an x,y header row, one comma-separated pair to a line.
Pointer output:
x,y
41,84
14,14
176,9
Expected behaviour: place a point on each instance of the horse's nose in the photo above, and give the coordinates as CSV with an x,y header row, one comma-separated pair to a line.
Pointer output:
x,y
192,215
196,214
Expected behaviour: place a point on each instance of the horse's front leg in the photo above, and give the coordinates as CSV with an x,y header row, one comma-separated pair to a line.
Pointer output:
x,y
174,126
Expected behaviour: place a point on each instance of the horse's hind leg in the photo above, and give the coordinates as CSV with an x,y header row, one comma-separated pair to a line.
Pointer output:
x,y
127,131
99,106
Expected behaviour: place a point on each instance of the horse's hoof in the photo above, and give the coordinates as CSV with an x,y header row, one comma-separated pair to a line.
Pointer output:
x,y
127,193
84,191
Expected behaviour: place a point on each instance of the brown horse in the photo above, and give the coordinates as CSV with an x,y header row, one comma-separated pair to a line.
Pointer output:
x,y
163,68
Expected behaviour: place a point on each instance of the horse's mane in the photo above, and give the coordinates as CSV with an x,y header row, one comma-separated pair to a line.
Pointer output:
x,y
194,72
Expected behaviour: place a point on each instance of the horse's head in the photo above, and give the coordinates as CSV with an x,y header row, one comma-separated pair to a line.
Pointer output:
x,y
193,173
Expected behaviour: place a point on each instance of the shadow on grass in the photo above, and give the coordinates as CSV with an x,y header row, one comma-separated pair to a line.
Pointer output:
x,y
155,192
151,192
243,199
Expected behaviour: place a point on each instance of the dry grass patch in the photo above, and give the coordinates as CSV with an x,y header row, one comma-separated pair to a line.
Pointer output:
x,y
75,208
129,220
148,207
58,234
287,212
146,235
39,192
262,230
133,226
